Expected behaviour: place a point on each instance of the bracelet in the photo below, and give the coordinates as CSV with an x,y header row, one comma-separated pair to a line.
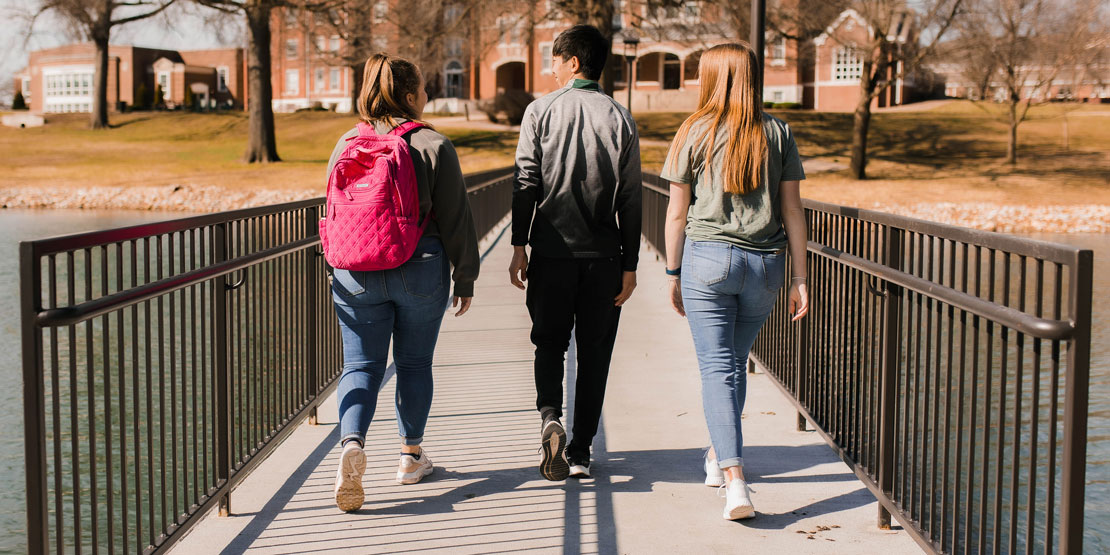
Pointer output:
x,y
675,272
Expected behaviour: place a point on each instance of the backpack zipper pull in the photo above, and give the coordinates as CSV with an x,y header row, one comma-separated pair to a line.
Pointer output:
x,y
347,191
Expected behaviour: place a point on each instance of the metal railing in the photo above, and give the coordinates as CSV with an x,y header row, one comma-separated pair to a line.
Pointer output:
x,y
161,362
947,366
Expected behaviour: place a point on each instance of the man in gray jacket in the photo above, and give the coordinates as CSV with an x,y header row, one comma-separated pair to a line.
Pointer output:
x,y
576,202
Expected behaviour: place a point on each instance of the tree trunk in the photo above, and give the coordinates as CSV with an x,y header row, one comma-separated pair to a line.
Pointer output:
x,y
1011,144
356,84
861,123
99,118
262,143
605,25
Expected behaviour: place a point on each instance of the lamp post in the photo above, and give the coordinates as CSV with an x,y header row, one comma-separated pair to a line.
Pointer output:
x,y
630,39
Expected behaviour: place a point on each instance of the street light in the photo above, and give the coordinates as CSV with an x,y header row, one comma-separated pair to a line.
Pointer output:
x,y
630,38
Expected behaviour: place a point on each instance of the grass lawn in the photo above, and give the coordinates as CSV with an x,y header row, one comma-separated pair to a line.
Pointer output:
x,y
154,149
952,153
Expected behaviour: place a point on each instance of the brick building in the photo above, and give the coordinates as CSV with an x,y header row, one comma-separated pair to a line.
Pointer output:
x,y
61,79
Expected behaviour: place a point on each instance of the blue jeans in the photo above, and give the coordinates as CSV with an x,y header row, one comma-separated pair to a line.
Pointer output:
x,y
728,292
406,304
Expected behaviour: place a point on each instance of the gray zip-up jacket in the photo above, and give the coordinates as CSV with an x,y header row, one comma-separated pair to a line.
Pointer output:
x,y
577,188
441,188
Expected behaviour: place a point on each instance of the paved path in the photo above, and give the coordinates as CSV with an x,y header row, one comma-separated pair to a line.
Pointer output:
x,y
486,495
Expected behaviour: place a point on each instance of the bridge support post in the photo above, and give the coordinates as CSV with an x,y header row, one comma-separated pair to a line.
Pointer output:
x,y
312,228
221,382
891,341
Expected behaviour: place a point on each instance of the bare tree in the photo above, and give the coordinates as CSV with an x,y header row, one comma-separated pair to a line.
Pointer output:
x,y
261,141
894,45
93,20
1015,50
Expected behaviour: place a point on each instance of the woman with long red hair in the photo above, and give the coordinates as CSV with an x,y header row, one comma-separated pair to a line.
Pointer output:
x,y
734,213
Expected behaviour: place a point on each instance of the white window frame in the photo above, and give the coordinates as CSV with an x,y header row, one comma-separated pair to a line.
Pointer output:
x,y
333,43
778,51
333,79
318,82
222,74
847,64
292,46
546,53
381,11
292,82
321,43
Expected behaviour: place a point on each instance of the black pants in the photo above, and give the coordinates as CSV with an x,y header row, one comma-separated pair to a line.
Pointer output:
x,y
566,294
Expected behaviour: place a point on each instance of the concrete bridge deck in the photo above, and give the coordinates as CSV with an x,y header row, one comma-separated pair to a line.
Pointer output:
x,y
486,494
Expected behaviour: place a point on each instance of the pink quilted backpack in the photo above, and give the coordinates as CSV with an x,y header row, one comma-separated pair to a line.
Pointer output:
x,y
372,203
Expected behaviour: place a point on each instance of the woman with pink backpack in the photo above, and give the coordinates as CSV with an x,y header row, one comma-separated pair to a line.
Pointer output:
x,y
397,220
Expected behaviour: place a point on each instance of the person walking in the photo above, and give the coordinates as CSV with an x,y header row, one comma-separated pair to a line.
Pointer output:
x,y
576,202
734,212
405,304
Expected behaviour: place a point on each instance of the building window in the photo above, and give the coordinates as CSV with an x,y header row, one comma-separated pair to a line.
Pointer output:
x,y
164,82
333,44
290,17
778,50
319,82
221,79
26,89
545,57
776,96
453,75
381,9
291,47
380,42
321,43
692,10
454,47
847,65
335,79
292,81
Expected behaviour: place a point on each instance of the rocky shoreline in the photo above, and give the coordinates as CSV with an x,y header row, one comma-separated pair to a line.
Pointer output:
x,y
1090,218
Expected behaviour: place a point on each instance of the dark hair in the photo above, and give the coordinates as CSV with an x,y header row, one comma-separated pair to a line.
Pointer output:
x,y
385,82
587,44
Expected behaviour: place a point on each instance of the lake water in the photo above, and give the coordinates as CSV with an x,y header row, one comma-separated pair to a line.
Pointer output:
x,y
19,225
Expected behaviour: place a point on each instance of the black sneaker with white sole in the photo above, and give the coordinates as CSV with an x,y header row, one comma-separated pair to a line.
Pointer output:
x,y
553,443
579,466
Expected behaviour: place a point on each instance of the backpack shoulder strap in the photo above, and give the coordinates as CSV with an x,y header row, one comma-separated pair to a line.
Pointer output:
x,y
400,130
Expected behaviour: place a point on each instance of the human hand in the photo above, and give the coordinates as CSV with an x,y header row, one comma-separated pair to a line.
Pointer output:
x,y
628,283
518,268
676,297
798,300
465,301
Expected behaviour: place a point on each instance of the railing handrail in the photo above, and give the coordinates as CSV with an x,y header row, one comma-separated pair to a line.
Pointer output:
x,y
69,315
1049,251
1043,328
63,243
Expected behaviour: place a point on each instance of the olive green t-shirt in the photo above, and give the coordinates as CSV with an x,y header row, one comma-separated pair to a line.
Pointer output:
x,y
751,221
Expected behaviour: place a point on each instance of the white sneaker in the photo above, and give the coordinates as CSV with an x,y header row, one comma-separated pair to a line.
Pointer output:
x,y
578,470
738,501
348,478
411,470
714,476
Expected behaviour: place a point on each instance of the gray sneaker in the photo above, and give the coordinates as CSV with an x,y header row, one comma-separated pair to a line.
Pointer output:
x,y
553,443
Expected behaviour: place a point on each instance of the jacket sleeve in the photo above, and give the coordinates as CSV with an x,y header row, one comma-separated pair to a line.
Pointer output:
x,y
627,199
528,179
451,210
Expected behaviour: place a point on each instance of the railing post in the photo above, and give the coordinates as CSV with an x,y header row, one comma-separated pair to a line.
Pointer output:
x,y
311,340
1075,406
223,411
892,320
801,344
34,419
